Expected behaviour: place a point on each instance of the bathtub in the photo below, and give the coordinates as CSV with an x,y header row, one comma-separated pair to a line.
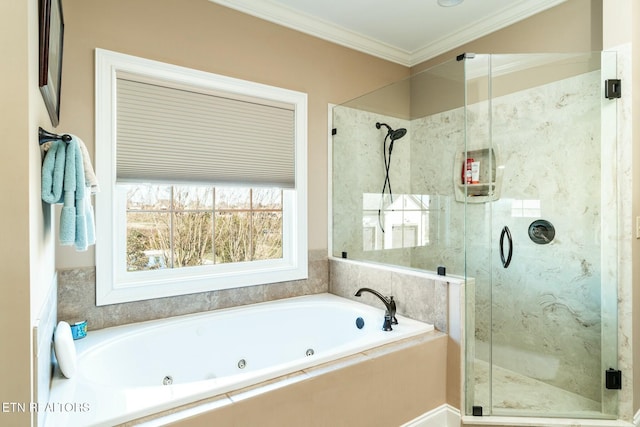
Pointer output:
x,y
131,371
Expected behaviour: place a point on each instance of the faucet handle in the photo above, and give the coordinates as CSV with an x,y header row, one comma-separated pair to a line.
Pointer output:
x,y
388,320
392,311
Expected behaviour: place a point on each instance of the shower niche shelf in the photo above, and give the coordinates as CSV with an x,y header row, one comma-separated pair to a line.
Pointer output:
x,y
488,185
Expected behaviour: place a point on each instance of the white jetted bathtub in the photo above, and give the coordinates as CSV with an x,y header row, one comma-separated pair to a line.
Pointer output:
x,y
131,371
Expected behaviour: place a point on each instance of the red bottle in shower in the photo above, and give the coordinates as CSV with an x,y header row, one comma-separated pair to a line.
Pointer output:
x,y
466,171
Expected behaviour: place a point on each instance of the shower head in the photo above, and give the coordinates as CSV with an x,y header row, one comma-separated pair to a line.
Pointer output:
x,y
397,134
393,134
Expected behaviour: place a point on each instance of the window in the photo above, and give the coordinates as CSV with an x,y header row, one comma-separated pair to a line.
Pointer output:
x,y
188,226
203,181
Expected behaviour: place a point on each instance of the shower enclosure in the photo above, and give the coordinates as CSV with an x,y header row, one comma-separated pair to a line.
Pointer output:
x,y
506,176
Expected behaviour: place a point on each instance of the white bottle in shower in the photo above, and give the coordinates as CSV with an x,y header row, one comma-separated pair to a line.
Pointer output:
x,y
475,172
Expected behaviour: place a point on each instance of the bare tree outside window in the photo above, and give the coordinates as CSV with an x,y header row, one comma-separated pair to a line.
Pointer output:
x,y
184,226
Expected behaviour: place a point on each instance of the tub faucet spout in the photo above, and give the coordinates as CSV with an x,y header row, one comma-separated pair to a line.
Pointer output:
x,y
390,305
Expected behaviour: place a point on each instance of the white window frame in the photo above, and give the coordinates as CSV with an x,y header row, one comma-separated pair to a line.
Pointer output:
x,y
113,283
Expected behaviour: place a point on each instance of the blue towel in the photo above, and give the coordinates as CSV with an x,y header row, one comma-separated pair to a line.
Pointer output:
x,y
76,218
68,214
53,173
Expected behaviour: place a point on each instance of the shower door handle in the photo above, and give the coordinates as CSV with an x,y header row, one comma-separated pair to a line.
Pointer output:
x,y
506,232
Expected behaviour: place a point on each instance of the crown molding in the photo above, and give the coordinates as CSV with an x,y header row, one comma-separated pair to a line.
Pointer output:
x,y
277,13
287,17
481,28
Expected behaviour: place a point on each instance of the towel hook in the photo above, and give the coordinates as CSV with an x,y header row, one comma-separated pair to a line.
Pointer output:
x,y
44,136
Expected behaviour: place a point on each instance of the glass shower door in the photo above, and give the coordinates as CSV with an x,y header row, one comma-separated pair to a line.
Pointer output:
x,y
540,235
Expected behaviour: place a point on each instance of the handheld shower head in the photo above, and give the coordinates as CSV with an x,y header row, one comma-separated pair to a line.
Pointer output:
x,y
397,134
393,134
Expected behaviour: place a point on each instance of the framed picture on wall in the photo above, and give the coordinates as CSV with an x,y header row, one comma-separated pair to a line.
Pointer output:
x,y
51,38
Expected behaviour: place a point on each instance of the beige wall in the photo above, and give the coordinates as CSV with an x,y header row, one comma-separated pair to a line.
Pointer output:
x,y
573,26
14,249
26,247
202,35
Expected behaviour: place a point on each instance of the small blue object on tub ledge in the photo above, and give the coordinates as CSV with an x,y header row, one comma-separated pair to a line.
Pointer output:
x,y
79,330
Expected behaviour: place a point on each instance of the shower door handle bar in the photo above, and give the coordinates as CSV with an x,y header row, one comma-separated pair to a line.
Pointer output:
x,y
506,232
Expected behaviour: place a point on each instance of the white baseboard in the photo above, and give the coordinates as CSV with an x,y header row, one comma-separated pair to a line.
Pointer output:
x,y
540,422
442,416
448,416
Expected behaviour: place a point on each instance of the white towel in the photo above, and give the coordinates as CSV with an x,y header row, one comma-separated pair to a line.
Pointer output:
x,y
90,179
89,219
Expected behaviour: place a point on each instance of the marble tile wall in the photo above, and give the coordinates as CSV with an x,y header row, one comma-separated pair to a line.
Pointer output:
x,y
358,169
418,295
436,141
421,165
76,297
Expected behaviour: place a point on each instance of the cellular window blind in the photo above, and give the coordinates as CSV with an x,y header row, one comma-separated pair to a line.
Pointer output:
x,y
177,135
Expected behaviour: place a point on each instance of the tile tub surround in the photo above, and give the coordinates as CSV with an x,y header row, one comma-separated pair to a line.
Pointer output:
x,y
76,297
424,296
418,295
387,385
